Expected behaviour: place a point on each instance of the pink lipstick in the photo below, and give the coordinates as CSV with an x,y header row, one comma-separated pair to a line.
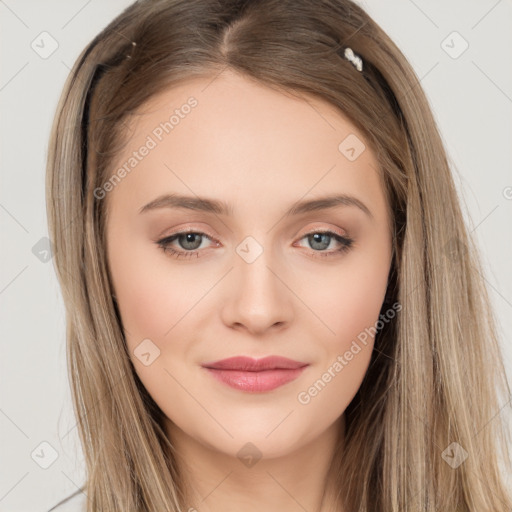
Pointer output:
x,y
255,375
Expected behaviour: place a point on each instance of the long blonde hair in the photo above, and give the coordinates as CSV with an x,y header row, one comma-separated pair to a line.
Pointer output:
x,y
436,376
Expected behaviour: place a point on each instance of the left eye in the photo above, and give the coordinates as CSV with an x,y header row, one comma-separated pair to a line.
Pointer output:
x,y
322,239
190,242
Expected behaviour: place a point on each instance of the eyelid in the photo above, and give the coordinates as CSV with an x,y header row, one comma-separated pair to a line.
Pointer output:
x,y
343,233
188,229
164,243
204,231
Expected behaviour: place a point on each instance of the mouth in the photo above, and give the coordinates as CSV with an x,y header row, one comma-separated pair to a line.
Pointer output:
x,y
255,375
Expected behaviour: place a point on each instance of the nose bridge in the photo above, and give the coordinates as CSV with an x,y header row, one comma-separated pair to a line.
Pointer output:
x,y
258,298
253,266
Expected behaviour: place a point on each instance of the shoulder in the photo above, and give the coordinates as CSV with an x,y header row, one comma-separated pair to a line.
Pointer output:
x,y
76,502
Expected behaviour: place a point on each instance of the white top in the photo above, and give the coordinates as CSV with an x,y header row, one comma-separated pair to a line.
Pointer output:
x,y
75,502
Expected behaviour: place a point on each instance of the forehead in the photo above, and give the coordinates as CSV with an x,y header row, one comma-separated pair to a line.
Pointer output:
x,y
231,137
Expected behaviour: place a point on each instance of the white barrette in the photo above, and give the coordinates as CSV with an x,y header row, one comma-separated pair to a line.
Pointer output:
x,y
355,59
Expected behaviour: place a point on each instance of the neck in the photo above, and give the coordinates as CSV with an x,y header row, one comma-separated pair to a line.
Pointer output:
x,y
303,478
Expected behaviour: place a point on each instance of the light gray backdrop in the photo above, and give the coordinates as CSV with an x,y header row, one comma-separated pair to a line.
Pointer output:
x,y
470,90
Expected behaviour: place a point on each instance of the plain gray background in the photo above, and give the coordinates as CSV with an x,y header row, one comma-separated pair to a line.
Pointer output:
x,y
470,93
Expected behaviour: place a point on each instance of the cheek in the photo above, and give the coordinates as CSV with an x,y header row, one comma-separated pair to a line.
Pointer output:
x,y
156,303
347,300
350,308
152,293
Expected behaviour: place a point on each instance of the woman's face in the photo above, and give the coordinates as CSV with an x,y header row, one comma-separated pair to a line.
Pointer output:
x,y
244,168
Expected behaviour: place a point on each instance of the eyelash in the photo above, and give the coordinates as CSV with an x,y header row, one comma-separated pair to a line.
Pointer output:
x,y
164,244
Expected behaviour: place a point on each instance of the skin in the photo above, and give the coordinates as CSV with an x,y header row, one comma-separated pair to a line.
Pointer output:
x,y
260,151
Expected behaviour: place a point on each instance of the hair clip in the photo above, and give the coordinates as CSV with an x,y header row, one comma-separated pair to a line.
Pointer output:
x,y
134,44
355,59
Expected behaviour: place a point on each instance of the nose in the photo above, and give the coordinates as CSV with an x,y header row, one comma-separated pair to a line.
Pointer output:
x,y
257,297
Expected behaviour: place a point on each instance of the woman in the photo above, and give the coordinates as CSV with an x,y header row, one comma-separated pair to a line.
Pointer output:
x,y
273,301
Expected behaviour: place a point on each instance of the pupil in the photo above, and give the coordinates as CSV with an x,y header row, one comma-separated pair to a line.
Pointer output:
x,y
317,238
189,239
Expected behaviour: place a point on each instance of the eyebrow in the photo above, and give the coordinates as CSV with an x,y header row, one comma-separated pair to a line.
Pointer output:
x,y
221,208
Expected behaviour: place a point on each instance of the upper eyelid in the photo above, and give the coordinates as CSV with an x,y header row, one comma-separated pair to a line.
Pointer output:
x,y
213,239
185,231
325,230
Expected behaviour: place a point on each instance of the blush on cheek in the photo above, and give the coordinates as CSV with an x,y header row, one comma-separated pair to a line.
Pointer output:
x,y
367,292
349,306
354,343
156,303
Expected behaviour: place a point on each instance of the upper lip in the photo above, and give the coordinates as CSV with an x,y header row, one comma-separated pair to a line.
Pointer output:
x,y
248,364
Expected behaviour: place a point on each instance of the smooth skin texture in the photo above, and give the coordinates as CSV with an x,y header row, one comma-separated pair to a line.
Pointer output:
x,y
260,151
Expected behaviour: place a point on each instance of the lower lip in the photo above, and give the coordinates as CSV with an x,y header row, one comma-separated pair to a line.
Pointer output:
x,y
256,381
